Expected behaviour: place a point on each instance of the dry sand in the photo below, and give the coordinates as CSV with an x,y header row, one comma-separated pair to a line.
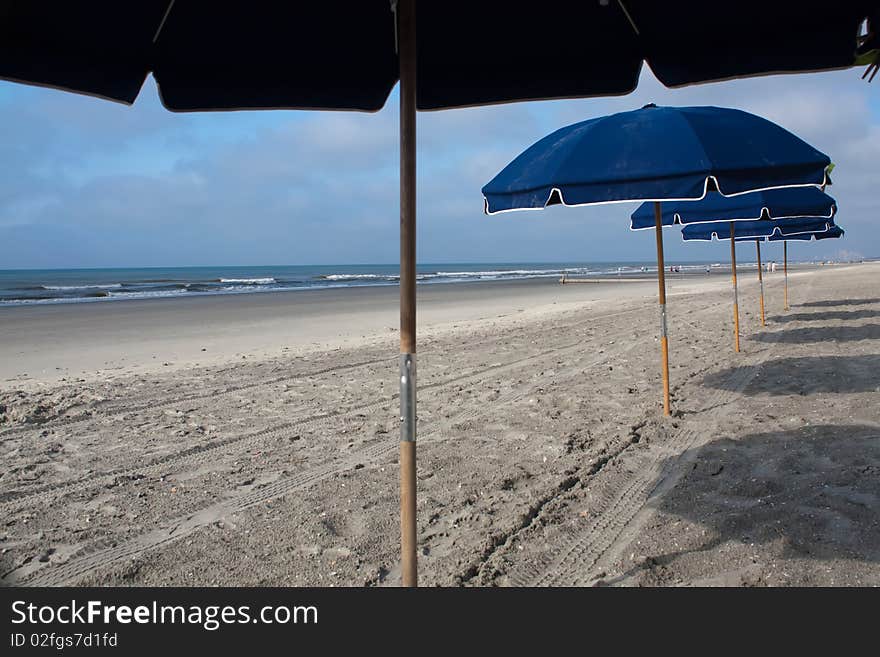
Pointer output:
x,y
270,457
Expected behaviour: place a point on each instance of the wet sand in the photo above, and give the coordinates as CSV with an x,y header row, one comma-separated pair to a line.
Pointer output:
x,y
270,457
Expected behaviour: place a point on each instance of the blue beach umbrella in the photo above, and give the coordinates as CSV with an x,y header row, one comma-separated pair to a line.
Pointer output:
x,y
769,204
833,233
752,213
744,231
761,230
656,154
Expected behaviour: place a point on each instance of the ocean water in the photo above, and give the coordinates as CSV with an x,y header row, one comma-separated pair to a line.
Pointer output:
x,y
38,286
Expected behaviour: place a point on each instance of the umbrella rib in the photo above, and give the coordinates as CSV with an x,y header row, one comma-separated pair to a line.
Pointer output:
x,y
629,18
162,24
394,12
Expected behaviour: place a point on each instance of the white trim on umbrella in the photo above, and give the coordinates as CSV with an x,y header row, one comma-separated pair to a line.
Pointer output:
x,y
776,231
676,218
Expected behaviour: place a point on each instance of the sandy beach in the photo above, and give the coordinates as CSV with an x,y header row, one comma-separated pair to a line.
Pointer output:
x,y
252,439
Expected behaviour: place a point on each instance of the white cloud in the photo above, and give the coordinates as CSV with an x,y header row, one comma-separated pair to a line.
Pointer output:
x,y
322,187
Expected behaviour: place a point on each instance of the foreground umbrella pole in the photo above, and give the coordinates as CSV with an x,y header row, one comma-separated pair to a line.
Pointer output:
x,y
735,295
661,282
760,281
407,54
785,271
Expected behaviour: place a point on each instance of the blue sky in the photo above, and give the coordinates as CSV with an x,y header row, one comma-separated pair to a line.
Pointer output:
x,y
88,183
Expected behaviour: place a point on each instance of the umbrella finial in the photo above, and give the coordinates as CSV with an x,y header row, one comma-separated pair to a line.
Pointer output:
x,y
649,105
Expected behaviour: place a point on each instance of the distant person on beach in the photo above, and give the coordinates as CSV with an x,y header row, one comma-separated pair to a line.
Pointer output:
x,y
773,265
708,270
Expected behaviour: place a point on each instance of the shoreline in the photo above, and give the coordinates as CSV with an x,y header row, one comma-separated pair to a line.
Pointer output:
x,y
44,343
27,288
40,344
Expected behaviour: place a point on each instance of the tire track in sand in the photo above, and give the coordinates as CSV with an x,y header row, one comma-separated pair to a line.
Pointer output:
x,y
199,454
70,571
164,402
97,558
113,408
574,563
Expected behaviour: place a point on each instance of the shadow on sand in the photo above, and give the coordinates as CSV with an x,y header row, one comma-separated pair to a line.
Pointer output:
x,y
814,491
820,334
828,315
806,375
837,302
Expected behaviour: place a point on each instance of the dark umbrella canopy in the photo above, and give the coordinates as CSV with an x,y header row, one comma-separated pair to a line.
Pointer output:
x,y
695,42
768,204
342,55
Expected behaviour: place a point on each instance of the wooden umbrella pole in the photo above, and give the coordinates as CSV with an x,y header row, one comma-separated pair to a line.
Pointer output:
x,y
735,295
785,271
406,32
760,281
661,282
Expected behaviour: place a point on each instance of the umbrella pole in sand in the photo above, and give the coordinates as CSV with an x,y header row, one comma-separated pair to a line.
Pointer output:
x,y
785,271
407,53
735,296
661,281
761,281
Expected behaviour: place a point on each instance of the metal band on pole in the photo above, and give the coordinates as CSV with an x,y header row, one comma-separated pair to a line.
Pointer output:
x,y
735,294
407,398
661,283
760,281
406,36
